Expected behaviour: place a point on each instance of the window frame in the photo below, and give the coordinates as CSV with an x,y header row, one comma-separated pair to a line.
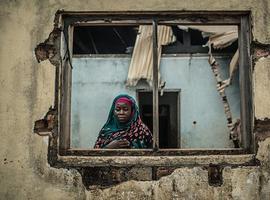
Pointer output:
x,y
60,146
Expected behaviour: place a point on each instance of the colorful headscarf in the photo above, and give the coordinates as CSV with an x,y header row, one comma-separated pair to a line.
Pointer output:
x,y
135,131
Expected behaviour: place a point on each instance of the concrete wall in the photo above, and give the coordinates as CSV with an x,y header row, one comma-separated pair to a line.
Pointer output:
x,y
27,91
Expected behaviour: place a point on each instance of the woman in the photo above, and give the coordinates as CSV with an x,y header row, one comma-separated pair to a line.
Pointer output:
x,y
124,127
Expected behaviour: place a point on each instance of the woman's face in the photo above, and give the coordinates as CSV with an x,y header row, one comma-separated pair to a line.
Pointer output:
x,y
122,111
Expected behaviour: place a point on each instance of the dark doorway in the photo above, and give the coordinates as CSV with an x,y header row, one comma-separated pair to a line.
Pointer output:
x,y
169,136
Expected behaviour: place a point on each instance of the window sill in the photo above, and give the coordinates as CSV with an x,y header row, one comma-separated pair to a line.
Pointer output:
x,y
152,152
157,161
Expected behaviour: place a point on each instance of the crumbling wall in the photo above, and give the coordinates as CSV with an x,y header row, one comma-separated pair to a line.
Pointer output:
x,y
27,91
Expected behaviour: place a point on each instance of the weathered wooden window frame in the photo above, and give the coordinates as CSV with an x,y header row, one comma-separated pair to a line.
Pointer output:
x,y
60,150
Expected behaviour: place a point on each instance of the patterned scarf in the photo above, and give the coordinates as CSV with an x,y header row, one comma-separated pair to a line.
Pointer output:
x,y
135,131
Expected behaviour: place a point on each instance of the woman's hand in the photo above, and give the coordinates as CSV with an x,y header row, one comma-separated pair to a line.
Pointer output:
x,y
118,144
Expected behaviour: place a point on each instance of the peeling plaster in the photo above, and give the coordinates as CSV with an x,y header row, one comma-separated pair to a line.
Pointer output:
x,y
260,50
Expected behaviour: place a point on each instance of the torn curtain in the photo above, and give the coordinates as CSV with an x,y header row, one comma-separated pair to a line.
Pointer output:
x,y
220,37
141,65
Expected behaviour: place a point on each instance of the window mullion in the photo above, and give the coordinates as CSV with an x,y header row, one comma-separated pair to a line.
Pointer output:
x,y
245,83
155,88
65,126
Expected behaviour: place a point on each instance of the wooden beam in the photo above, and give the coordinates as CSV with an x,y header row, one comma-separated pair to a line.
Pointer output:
x,y
245,83
151,152
145,17
155,88
151,161
65,133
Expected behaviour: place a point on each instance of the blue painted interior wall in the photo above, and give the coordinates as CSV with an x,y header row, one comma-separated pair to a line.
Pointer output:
x,y
96,81
202,118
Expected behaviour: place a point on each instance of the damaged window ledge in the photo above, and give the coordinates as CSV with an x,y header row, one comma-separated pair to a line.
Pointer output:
x,y
150,161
